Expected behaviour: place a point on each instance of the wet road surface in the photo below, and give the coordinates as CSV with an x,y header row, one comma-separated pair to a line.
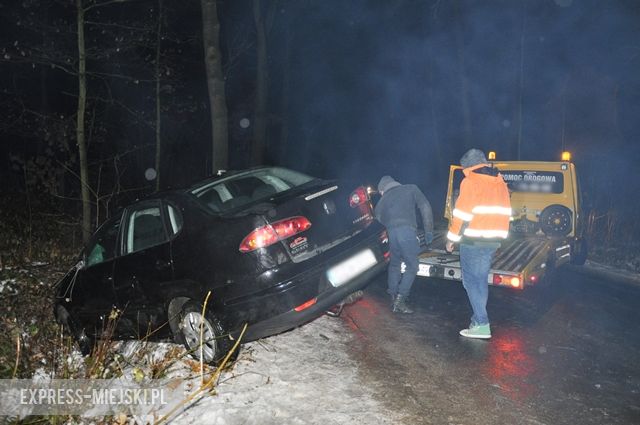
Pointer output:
x,y
569,354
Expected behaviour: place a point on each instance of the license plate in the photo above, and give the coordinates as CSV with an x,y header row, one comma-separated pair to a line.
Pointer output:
x,y
350,268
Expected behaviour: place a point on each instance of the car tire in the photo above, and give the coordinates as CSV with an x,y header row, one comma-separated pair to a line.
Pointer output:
x,y
216,340
64,318
579,252
555,220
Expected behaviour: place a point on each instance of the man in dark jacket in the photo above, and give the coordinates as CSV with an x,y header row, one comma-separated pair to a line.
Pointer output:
x,y
396,210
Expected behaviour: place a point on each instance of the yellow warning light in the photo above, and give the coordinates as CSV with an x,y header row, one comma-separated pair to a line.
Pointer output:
x,y
492,155
566,156
515,282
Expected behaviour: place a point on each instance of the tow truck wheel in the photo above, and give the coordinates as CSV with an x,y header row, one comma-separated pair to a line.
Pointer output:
x,y
555,220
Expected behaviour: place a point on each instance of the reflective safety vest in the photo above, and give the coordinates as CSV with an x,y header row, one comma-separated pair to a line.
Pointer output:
x,y
483,208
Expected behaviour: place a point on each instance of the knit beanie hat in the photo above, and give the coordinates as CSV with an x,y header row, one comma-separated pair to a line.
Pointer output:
x,y
472,157
386,183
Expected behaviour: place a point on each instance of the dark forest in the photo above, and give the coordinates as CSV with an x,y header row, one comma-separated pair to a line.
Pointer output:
x,y
353,89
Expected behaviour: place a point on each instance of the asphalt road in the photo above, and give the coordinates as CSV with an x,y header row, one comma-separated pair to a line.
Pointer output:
x,y
569,354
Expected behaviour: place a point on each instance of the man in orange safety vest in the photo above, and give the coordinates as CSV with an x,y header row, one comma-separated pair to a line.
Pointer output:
x,y
480,221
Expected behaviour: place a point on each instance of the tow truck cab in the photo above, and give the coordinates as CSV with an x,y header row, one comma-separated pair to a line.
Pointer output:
x,y
546,228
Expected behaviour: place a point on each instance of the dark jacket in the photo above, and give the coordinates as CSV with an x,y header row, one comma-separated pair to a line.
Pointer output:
x,y
398,205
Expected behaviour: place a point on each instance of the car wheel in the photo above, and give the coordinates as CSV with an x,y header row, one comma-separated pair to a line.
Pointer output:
x,y
202,334
579,252
64,318
555,220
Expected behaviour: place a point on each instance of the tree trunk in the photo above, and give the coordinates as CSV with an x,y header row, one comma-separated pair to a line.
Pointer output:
x,y
262,86
80,130
158,100
215,84
286,89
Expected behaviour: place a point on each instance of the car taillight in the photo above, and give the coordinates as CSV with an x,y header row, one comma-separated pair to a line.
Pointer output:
x,y
274,232
507,280
306,305
358,197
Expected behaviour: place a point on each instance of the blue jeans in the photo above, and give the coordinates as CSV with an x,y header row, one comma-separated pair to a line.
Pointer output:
x,y
404,246
475,262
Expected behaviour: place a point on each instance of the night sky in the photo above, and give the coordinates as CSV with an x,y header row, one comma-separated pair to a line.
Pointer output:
x,y
367,88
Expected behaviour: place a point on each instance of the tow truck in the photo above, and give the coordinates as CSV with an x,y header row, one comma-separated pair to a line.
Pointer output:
x,y
546,229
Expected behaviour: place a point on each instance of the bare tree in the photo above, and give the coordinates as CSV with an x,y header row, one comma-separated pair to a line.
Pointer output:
x,y
73,44
80,126
82,7
263,23
215,84
286,88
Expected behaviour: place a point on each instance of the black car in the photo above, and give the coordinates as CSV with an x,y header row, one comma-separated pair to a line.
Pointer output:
x,y
275,248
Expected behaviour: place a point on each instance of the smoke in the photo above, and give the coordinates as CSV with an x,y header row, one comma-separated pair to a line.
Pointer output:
x,y
405,87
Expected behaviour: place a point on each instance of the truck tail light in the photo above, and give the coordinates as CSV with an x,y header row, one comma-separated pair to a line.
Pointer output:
x,y
507,280
358,197
274,232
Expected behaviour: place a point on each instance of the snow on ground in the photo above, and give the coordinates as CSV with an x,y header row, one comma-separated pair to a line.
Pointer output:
x,y
304,376
8,285
607,272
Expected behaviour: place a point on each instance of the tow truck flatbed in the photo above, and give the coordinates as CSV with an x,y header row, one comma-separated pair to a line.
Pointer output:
x,y
546,230
519,262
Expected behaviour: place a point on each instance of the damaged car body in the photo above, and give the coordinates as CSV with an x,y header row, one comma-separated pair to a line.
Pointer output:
x,y
268,247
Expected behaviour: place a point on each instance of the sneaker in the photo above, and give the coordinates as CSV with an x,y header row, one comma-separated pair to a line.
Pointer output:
x,y
400,305
477,331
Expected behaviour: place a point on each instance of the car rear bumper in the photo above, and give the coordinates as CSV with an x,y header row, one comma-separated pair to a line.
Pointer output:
x,y
292,318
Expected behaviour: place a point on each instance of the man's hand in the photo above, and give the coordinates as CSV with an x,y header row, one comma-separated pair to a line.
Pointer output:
x,y
449,247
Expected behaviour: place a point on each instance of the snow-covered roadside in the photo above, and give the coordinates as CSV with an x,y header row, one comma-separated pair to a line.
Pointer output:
x,y
608,272
304,376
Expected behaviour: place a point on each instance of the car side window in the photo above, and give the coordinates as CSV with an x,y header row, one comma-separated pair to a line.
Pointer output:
x,y
145,229
103,246
175,219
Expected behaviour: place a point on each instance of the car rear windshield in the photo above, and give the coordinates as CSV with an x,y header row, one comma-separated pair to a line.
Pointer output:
x,y
245,188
